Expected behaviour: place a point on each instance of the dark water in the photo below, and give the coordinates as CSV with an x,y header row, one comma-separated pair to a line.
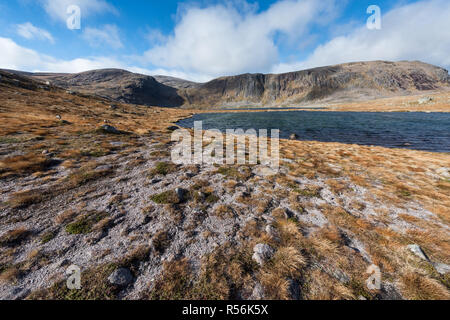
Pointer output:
x,y
412,130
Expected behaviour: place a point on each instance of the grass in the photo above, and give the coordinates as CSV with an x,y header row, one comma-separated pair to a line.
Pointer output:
x,y
85,223
84,175
242,173
14,237
48,236
26,164
166,197
160,241
163,168
24,199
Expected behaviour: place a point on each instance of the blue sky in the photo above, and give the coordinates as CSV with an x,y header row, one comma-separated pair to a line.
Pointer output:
x,y
205,39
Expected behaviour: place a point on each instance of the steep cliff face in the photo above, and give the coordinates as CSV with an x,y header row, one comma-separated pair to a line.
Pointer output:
x,y
336,83
340,83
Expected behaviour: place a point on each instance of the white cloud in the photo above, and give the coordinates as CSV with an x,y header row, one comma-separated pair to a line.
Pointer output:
x,y
418,31
57,9
220,40
29,31
107,35
19,58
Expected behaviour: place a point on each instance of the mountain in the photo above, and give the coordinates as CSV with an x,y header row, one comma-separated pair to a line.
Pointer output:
x,y
340,83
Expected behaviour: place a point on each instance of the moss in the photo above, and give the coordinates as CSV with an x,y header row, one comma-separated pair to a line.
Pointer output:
x,y
167,197
233,172
163,168
48,236
84,224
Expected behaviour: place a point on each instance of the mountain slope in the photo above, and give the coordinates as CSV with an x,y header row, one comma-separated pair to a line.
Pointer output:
x,y
340,83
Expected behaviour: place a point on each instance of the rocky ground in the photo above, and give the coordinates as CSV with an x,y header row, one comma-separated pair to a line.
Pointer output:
x,y
75,192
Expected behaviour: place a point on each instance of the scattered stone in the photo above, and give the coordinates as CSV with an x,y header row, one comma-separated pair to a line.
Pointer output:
x,y
258,293
180,193
264,172
417,250
145,219
113,107
272,232
441,268
262,253
109,129
341,276
293,136
294,289
425,100
172,128
121,277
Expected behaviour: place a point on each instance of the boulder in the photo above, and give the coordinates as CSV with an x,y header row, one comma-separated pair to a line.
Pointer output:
x,y
262,253
121,277
109,129
441,268
417,250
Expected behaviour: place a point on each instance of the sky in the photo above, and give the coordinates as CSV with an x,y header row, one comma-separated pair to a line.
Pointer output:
x,y
204,39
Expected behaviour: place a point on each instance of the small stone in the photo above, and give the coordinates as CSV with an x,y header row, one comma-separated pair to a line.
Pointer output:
x,y
180,193
272,232
145,219
294,289
441,268
417,250
109,129
425,100
258,293
341,276
293,136
121,277
262,253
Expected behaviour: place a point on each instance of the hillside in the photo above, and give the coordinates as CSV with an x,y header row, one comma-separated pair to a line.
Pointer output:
x,y
113,203
349,82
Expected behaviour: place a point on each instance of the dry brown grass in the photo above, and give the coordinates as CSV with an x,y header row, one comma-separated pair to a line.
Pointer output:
x,y
419,287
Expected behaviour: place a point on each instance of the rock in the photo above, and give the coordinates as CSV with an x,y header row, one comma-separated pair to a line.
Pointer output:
x,y
293,136
172,128
425,100
262,253
121,277
341,276
272,232
264,172
362,298
417,250
113,107
441,268
145,219
109,129
180,193
58,117
258,293
294,289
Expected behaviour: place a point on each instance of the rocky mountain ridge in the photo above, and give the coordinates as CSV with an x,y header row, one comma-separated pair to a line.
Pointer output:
x,y
340,83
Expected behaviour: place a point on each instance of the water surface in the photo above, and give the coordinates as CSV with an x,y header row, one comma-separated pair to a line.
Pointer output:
x,y
411,130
